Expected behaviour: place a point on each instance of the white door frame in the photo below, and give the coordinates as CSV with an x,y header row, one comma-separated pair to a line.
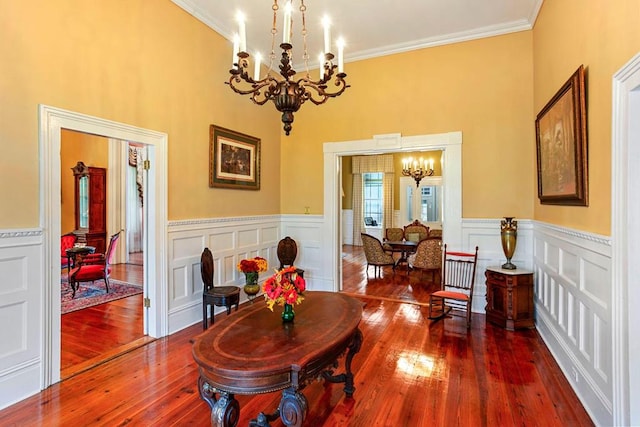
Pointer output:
x,y
449,143
51,122
625,212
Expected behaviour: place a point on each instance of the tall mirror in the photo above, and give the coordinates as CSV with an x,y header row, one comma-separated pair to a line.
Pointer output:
x,y
81,173
423,203
90,205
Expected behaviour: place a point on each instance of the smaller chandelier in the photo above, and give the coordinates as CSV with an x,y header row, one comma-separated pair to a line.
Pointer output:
x,y
417,169
286,93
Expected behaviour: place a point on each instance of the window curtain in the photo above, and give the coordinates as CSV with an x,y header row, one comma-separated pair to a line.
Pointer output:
x,y
367,164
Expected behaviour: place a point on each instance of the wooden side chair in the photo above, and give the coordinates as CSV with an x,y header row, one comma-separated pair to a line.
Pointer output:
x,y
221,296
456,289
287,251
375,254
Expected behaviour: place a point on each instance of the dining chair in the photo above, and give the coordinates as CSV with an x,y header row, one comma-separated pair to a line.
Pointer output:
x,y
416,231
375,254
427,257
287,251
221,296
456,286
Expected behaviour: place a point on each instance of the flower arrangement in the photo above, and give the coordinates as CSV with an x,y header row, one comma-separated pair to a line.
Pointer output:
x,y
253,265
284,287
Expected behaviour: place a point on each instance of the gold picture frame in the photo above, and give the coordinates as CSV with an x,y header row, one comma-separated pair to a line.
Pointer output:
x,y
561,142
234,159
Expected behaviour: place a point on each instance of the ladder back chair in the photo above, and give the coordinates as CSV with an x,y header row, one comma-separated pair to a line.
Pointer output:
x,y
456,288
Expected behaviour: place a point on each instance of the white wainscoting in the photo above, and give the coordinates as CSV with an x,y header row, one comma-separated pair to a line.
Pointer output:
x,y
573,311
231,240
572,272
21,334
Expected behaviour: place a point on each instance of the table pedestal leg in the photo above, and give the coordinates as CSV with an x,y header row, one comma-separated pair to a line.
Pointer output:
x,y
347,377
292,410
225,410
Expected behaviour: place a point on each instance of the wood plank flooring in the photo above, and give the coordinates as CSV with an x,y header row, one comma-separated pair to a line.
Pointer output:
x,y
409,372
96,334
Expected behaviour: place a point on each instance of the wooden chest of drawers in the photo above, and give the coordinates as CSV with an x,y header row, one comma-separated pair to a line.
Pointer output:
x,y
509,298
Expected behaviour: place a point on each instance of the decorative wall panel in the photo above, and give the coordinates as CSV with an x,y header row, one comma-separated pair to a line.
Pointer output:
x,y
573,311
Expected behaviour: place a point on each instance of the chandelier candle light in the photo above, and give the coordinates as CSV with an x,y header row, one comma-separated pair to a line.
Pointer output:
x,y
287,94
417,169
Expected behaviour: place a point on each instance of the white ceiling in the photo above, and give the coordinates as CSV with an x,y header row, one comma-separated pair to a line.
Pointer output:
x,y
370,28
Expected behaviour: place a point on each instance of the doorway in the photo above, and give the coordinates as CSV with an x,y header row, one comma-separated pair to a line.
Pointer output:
x,y
451,146
117,315
51,123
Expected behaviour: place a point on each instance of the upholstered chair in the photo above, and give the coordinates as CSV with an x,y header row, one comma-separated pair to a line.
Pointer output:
x,y
375,254
416,231
428,256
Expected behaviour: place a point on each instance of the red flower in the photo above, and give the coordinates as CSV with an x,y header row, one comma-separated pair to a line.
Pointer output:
x,y
284,287
271,288
299,283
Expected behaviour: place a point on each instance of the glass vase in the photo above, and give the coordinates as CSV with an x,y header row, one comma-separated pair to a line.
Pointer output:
x,y
288,314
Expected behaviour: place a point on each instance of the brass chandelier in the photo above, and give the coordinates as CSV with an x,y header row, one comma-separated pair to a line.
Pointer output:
x,y
286,93
417,169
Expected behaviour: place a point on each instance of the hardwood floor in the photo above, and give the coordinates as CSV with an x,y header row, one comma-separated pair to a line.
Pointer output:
x,y
409,372
96,334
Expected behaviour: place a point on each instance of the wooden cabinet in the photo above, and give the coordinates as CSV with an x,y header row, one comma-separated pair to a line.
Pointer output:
x,y
91,206
509,298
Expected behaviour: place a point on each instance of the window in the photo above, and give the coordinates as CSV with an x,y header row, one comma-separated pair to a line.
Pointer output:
x,y
372,196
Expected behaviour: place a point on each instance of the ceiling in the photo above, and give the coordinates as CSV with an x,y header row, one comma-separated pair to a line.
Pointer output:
x,y
369,28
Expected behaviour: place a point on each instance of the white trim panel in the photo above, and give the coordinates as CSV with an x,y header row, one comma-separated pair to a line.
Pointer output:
x,y
573,311
21,254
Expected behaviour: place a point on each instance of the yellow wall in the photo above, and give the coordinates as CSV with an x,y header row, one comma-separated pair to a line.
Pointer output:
x,y
483,88
602,36
146,63
93,151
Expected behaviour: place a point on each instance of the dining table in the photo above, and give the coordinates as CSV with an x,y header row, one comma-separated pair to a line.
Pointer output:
x,y
254,351
404,248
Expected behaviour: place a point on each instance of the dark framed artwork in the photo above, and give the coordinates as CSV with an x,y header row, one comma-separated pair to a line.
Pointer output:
x,y
234,159
561,142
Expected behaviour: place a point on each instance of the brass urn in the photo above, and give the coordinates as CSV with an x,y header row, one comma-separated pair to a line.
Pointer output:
x,y
509,236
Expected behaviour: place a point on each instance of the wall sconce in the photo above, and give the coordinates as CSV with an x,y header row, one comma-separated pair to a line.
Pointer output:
x,y
417,169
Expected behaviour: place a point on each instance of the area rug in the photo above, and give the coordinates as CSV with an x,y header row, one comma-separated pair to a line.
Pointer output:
x,y
90,294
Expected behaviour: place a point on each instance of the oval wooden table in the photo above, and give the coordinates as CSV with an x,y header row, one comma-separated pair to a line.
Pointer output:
x,y
253,351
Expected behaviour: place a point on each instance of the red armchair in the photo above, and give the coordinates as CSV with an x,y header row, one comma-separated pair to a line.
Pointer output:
x,y
95,267
66,241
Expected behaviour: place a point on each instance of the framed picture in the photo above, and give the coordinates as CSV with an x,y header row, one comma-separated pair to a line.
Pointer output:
x,y
234,159
561,141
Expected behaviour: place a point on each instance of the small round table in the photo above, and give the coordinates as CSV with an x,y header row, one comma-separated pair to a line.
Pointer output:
x,y
77,252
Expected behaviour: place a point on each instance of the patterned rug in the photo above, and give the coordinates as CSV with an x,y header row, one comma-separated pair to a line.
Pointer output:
x,y
90,294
